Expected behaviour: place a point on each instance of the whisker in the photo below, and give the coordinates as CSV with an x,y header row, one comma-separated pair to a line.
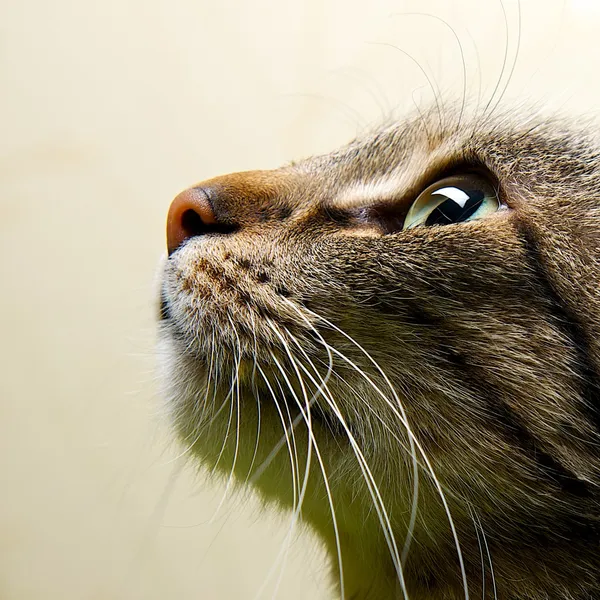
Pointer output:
x,y
404,420
367,474
294,468
202,411
376,93
402,416
504,59
317,452
462,55
236,386
258,411
293,424
483,573
278,446
296,513
374,491
312,442
489,555
435,89
228,398
516,58
287,436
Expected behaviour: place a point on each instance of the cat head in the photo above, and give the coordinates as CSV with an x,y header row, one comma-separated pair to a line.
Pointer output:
x,y
402,337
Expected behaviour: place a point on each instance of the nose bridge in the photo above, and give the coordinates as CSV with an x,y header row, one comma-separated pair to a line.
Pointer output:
x,y
248,196
225,204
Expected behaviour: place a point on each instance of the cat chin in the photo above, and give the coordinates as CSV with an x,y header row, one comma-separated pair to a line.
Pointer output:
x,y
225,444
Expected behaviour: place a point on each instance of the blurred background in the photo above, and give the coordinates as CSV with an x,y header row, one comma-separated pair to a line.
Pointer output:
x,y
108,109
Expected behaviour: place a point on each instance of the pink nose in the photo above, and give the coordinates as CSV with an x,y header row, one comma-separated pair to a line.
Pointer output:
x,y
190,215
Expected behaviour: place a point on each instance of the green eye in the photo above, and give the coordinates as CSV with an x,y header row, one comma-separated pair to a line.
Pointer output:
x,y
453,200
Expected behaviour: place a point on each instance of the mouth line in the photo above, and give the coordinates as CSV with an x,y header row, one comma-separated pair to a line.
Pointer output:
x,y
164,308
246,370
319,414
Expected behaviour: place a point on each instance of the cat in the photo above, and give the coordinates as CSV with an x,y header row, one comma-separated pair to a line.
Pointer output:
x,y
399,342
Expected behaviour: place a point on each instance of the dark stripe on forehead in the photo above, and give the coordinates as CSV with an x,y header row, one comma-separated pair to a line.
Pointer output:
x,y
568,324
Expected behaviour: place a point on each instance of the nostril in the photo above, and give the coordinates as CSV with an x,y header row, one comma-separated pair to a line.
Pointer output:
x,y
190,215
192,223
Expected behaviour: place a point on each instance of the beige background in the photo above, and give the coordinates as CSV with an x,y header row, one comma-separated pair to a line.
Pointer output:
x,y
110,107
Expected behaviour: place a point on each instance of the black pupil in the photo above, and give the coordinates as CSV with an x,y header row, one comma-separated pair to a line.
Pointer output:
x,y
451,211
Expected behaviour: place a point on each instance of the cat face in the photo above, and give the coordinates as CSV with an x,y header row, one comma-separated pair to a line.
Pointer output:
x,y
401,339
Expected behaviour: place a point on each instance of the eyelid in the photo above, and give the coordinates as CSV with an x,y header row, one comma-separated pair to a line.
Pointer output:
x,y
460,165
388,212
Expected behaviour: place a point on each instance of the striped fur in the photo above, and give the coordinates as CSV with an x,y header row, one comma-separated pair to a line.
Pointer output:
x,y
486,333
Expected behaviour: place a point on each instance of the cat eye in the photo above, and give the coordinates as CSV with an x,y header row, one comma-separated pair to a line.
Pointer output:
x,y
453,200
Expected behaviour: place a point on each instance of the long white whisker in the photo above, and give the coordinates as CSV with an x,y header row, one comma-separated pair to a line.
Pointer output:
x,y
293,424
483,574
378,503
293,463
290,429
296,513
413,453
489,555
305,411
258,410
294,467
317,453
402,416
216,381
236,385
516,58
228,398
367,474
196,406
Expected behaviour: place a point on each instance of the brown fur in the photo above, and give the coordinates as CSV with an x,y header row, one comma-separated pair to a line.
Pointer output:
x,y
489,332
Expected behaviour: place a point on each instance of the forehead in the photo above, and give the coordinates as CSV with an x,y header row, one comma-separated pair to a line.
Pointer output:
x,y
403,158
